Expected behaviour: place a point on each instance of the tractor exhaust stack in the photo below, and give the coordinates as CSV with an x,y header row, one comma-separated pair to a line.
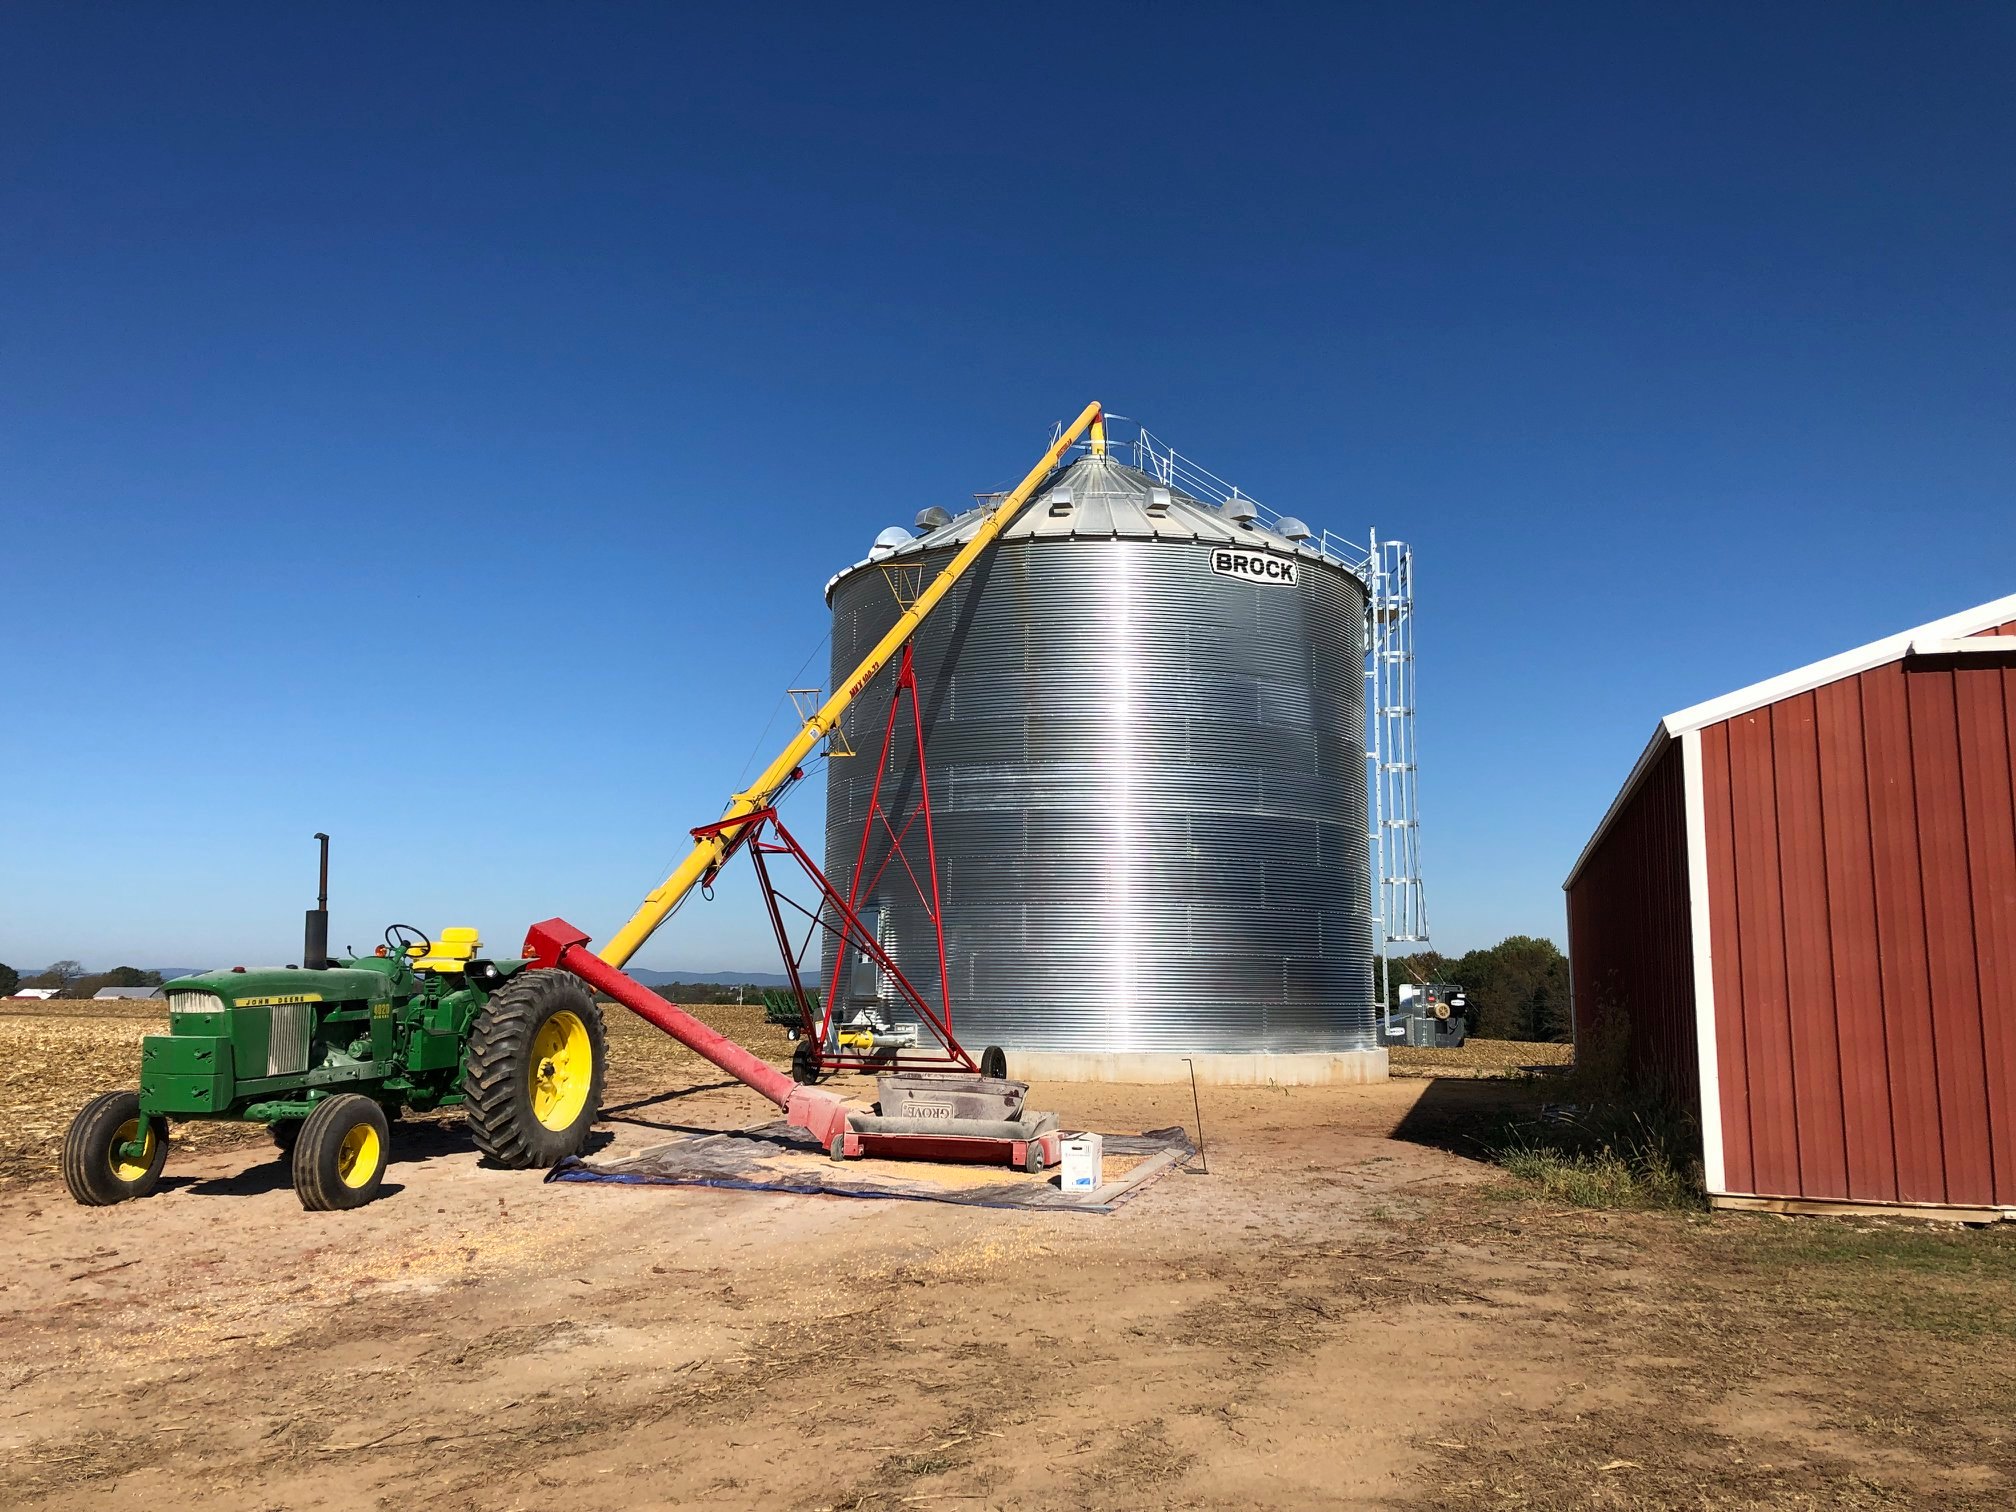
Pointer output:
x,y
315,944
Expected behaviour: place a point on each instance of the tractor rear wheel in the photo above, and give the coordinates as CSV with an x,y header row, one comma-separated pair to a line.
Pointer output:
x,y
532,1078
98,1167
339,1155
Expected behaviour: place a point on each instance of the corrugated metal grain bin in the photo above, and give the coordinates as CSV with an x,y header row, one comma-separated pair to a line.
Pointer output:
x,y
1145,724
1799,915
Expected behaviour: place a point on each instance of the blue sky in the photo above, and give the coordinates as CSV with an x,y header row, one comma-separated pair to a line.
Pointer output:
x,y
435,425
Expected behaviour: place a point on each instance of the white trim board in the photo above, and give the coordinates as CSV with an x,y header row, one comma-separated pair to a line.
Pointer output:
x,y
1653,748
1965,645
1706,1050
1818,674
1939,632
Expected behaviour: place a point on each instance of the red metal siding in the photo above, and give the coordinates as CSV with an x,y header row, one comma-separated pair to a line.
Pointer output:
x,y
1629,946
1988,787
1855,973
1862,901
1821,1131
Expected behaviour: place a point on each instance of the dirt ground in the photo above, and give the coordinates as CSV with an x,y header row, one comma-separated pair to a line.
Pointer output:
x,y
1348,1309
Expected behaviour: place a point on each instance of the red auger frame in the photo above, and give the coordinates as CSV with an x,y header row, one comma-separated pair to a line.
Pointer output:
x,y
851,936
843,1132
558,944
827,1054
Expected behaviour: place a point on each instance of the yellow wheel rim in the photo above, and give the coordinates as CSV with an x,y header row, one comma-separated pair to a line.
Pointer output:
x,y
127,1170
358,1156
563,1066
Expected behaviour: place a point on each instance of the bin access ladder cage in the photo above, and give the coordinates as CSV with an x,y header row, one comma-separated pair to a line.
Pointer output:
x,y
1400,910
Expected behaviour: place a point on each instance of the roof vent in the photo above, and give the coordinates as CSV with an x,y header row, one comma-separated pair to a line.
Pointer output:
x,y
933,518
888,541
1158,503
1292,528
1059,501
1241,509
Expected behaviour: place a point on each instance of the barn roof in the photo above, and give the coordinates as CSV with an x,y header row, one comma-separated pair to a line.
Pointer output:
x,y
1924,638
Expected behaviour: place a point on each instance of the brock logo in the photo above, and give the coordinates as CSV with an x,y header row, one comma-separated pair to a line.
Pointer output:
x,y
1251,566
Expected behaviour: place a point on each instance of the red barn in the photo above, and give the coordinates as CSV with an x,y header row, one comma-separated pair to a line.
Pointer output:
x,y
1800,916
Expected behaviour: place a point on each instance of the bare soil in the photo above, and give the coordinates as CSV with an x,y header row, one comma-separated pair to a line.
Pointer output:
x,y
1347,1309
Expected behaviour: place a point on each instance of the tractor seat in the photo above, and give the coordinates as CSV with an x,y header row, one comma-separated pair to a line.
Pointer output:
x,y
452,952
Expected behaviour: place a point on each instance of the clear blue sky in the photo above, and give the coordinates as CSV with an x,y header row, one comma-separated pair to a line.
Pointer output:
x,y
435,425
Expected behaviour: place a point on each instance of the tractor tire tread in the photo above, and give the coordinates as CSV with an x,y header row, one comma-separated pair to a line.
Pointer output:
x,y
83,1159
316,1183
495,1064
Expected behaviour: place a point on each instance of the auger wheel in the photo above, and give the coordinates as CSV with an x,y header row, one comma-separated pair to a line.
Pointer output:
x,y
532,1076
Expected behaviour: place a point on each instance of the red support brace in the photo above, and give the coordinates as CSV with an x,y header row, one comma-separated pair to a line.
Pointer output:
x,y
559,945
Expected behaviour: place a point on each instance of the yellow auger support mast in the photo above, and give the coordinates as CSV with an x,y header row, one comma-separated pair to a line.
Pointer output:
x,y
710,852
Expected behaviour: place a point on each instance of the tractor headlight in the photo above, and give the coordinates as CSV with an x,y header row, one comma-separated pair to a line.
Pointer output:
x,y
195,1002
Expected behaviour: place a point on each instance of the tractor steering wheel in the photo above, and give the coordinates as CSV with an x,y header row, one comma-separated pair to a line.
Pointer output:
x,y
396,940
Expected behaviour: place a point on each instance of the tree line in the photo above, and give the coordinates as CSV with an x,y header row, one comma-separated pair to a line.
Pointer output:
x,y
71,980
1517,989
688,994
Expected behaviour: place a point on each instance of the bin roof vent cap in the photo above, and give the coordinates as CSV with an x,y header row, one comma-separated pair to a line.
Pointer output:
x,y
888,541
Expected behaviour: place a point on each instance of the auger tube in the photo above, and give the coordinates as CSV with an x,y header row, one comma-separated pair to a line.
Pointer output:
x,y
711,850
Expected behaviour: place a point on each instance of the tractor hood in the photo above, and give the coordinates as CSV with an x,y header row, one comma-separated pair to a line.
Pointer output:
x,y
264,986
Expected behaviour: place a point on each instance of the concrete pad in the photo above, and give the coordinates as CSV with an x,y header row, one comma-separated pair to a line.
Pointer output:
x,y
1346,1068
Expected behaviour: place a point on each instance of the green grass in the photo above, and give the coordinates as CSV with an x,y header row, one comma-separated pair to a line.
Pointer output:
x,y
1946,1281
1605,1178
1601,1154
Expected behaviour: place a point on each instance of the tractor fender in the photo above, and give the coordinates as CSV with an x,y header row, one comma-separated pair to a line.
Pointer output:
x,y
490,975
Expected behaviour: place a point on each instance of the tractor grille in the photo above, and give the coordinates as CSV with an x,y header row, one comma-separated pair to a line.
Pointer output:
x,y
287,1038
195,1002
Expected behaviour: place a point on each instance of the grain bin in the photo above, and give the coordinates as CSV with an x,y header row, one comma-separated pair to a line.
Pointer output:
x,y
1145,724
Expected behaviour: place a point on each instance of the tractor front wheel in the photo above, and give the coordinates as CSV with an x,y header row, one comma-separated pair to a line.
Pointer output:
x,y
339,1155
532,1077
101,1164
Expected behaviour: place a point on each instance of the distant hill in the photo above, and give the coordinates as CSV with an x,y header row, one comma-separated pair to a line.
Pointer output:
x,y
711,978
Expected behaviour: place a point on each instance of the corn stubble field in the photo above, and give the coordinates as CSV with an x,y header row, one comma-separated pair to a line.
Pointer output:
x,y
1437,1293
65,1053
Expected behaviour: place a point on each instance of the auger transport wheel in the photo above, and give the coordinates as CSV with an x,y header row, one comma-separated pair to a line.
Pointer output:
x,y
994,1061
804,1064
339,1155
532,1077
113,1153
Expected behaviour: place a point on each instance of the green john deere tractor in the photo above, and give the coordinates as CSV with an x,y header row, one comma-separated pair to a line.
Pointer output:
x,y
325,1054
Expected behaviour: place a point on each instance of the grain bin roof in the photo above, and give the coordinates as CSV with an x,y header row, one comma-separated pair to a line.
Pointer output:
x,y
1108,500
